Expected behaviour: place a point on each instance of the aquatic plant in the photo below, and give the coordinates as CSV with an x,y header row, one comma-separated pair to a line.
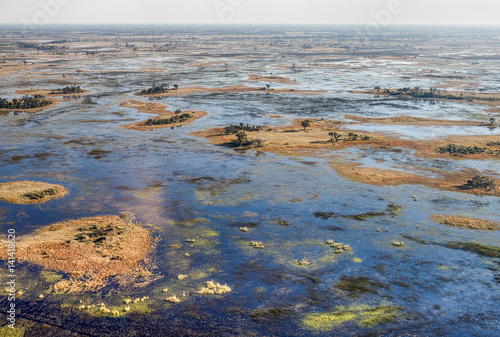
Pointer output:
x,y
363,315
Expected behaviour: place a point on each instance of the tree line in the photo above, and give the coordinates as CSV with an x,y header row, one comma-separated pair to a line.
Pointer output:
x,y
25,102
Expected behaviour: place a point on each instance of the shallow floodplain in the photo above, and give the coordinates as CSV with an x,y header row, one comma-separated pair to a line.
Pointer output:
x,y
196,197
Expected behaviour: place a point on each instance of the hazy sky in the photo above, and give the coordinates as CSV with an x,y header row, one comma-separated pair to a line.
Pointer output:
x,y
40,12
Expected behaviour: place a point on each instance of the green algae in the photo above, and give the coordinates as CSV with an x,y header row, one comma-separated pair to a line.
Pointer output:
x,y
50,277
9,332
480,249
362,315
359,285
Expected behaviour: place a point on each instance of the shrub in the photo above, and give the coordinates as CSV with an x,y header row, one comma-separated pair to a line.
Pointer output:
x,y
480,182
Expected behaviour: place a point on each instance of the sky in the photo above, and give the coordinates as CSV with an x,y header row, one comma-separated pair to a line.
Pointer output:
x,y
382,12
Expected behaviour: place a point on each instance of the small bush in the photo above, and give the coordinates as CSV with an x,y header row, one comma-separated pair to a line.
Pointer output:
x,y
40,195
480,182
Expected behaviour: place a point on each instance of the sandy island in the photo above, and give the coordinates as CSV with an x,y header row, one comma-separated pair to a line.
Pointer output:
x,y
48,92
274,79
315,142
492,99
91,251
30,192
231,89
161,111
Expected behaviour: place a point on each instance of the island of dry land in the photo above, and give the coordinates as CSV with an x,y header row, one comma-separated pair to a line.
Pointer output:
x,y
492,99
165,118
35,100
230,89
51,92
91,251
465,222
30,192
323,138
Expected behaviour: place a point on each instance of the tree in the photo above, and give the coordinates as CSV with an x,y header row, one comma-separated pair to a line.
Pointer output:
x,y
334,136
176,86
268,86
241,139
305,124
352,136
177,112
492,121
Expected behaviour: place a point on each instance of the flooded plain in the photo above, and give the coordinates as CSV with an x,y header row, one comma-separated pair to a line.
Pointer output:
x,y
443,281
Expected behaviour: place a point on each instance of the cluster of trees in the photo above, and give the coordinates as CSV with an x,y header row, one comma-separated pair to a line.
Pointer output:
x,y
68,90
159,89
36,46
233,129
172,120
335,136
25,102
432,93
480,182
493,144
40,195
242,140
461,150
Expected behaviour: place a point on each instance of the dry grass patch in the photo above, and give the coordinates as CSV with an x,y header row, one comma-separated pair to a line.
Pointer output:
x,y
231,89
92,251
30,192
275,79
465,222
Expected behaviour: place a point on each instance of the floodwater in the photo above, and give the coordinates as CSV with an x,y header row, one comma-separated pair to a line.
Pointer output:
x,y
183,187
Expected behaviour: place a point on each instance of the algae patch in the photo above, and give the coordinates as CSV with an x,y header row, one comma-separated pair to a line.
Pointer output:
x,y
362,315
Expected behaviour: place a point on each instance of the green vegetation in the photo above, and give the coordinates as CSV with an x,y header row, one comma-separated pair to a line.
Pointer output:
x,y
40,195
359,285
242,140
493,143
68,90
484,250
363,315
172,120
26,102
324,215
334,136
268,314
435,93
480,182
305,124
159,89
363,216
461,150
233,129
